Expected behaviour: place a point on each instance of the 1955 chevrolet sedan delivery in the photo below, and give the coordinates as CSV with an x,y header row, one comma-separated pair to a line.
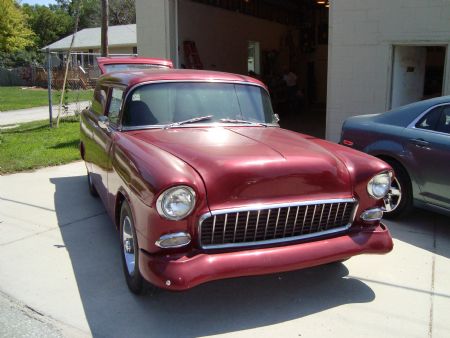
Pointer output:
x,y
203,184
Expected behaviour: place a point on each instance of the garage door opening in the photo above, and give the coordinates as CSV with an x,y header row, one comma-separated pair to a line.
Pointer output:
x,y
266,39
417,73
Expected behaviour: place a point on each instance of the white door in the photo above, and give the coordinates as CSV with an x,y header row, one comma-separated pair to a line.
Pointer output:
x,y
408,74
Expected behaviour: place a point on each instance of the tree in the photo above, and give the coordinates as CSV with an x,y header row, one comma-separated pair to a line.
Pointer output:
x,y
90,11
48,24
122,12
15,35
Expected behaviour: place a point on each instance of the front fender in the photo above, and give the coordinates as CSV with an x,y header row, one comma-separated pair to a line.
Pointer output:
x,y
141,172
361,167
385,147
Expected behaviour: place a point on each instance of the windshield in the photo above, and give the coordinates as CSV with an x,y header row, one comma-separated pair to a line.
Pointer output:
x,y
130,66
172,102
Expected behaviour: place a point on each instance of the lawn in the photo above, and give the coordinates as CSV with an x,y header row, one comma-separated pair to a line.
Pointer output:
x,y
34,145
12,98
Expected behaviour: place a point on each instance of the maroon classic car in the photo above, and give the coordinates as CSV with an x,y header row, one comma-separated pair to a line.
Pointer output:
x,y
203,184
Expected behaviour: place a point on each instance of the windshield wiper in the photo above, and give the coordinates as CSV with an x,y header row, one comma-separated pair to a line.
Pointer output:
x,y
243,121
193,120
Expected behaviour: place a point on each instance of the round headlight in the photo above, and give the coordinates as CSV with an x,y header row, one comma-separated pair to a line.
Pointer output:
x,y
379,185
176,203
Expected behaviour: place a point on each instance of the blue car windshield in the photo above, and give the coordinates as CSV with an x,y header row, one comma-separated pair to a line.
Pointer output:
x,y
172,102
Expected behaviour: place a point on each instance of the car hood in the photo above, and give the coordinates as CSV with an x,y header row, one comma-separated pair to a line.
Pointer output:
x,y
247,165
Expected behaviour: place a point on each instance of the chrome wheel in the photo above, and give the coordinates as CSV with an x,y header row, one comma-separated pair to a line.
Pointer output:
x,y
129,246
394,196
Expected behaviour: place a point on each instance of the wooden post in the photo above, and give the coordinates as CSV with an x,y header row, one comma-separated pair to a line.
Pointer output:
x,y
49,86
105,21
69,56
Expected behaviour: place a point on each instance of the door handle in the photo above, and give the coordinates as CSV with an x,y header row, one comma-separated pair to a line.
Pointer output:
x,y
103,123
420,143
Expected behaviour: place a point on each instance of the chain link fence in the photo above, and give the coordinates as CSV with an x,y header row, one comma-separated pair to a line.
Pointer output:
x,y
83,72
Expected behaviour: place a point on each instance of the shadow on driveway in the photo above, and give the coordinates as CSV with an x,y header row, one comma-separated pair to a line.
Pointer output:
x,y
213,308
424,229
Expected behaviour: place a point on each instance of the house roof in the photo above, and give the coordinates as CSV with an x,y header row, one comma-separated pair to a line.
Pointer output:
x,y
90,37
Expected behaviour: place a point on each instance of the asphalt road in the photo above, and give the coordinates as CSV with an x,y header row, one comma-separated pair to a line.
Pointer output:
x,y
60,263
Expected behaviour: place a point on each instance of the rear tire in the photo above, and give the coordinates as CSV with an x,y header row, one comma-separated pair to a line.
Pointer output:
x,y
130,250
399,199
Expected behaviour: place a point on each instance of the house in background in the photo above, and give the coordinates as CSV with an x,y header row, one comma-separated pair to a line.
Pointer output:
x,y
121,41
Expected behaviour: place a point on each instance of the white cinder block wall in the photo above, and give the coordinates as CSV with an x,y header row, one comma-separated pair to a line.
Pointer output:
x,y
362,35
155,28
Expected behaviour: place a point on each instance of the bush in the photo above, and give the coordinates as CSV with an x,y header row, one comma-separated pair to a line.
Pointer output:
x,y
21,58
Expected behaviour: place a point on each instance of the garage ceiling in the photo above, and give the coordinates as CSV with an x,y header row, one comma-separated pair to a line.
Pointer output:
x,y
290,12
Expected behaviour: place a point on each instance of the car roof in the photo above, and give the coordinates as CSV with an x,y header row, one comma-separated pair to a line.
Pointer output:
x,y
404,115
135,77
134,60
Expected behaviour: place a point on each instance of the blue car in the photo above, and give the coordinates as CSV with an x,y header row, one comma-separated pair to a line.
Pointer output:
x,y
415,141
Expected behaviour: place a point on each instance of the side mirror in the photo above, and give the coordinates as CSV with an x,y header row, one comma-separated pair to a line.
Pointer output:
x,y
103,122
277,118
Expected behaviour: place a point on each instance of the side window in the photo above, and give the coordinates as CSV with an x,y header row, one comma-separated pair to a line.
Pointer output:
x,y
99,102
443,124
430,120
115,103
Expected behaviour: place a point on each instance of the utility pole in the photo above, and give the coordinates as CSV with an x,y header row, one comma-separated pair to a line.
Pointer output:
x,y
105,21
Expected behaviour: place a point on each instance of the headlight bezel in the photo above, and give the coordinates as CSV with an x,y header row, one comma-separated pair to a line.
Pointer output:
x,y
370,184
166,193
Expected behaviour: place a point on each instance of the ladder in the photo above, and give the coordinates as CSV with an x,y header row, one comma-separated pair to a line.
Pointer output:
x,y
191,56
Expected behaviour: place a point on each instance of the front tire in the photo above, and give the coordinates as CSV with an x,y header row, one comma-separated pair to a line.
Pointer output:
x,y
130,250
399,200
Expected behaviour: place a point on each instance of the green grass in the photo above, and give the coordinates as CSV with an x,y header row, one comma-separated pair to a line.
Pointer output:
x,y
33,145
12,98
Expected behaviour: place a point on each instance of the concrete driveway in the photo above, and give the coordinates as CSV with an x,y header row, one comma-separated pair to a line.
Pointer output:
x,y
59,259
38,113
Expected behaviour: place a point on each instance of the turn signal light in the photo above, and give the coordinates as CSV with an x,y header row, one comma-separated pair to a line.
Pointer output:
x,y
175,240
347,143
372,215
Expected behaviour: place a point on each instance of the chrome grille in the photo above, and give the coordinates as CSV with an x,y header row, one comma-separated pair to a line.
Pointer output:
x,y
274,223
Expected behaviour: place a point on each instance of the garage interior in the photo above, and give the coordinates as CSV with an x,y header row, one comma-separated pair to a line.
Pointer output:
x,y
265,39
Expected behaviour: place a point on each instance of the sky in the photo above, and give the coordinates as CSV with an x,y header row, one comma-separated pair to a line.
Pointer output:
x,y
38,2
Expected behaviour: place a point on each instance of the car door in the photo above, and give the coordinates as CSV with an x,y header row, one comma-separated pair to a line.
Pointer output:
x,y
89,126
428,142
103,136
